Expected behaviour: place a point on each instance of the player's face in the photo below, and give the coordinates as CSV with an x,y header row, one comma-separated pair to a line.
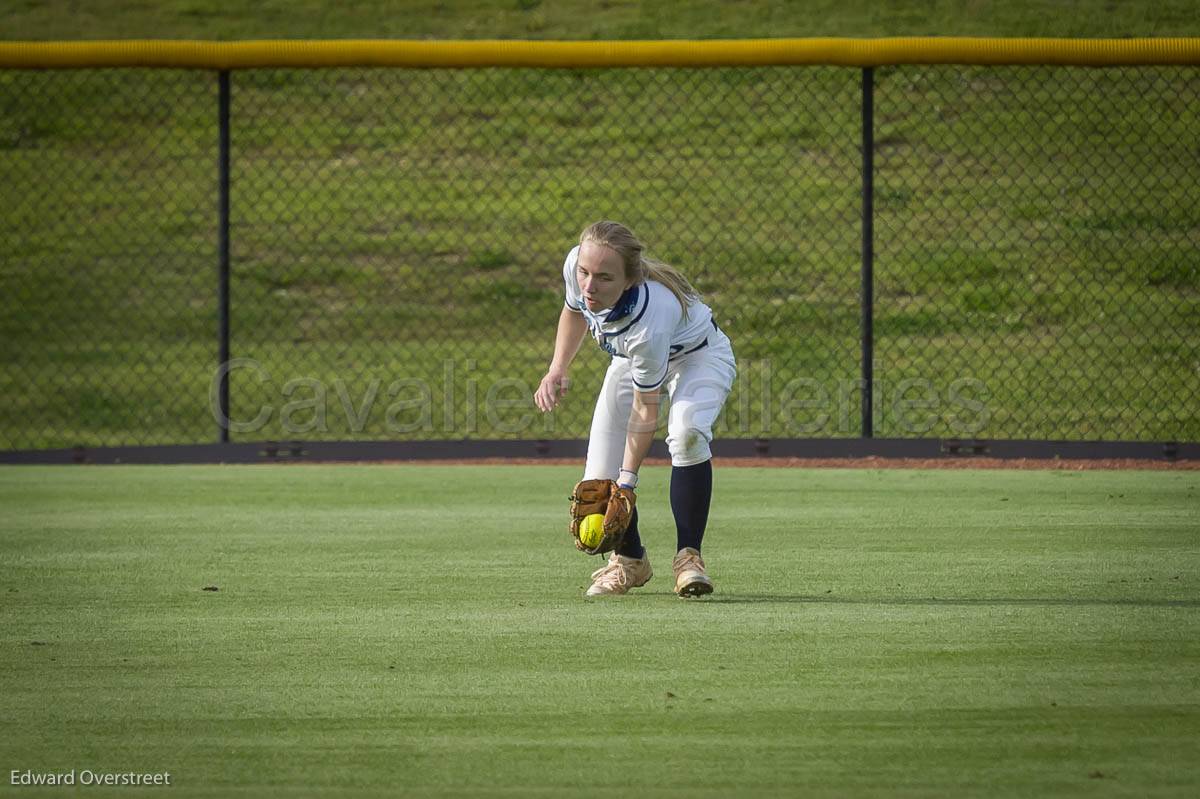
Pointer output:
x,y
601,276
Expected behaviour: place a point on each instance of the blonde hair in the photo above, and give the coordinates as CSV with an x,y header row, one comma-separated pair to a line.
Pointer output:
x,y
638,266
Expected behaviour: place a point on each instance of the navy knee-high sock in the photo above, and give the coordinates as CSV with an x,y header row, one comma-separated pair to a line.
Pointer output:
x,y
691,493
631,544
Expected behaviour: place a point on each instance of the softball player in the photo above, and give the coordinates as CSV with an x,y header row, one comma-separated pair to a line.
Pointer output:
x,y
660,335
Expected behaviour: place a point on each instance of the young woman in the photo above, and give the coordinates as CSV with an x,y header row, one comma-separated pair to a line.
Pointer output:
x,y
660,335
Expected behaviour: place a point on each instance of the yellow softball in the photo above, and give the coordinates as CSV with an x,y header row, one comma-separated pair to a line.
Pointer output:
x,y
591,530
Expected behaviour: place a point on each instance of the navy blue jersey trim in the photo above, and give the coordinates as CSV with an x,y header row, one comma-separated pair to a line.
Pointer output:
x,y
625,304
655,385
696,348
639,316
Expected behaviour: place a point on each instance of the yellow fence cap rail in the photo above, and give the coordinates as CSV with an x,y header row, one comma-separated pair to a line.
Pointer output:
x,y
562,54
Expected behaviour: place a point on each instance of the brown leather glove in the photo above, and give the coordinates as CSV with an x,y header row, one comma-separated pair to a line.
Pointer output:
x,y
607,498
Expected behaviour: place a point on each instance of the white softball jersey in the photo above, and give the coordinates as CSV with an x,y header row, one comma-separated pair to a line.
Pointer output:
x,y
654,346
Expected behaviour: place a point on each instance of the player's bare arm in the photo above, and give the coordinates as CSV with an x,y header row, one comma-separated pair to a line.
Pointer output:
x,y
571,329
643,421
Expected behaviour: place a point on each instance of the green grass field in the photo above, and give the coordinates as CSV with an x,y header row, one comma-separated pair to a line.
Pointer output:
x,y
420,631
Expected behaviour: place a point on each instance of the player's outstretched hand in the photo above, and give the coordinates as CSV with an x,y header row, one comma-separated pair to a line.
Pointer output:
x,y
552,389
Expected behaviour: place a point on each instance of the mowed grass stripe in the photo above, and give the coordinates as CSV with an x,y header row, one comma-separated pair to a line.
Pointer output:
x,y
420,630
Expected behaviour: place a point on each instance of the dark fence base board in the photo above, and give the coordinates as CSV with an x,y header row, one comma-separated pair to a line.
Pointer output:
x,y
314,451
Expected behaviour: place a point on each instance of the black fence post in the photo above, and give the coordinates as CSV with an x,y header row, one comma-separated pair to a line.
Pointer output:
x,y
223,256
868,252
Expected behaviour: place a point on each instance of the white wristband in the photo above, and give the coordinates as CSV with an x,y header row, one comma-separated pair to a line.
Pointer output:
x,y
627,478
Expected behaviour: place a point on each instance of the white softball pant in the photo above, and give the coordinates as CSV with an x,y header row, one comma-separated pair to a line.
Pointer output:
x,y
697,384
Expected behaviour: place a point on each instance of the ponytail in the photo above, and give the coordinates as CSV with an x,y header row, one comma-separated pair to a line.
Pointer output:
x,y
672,278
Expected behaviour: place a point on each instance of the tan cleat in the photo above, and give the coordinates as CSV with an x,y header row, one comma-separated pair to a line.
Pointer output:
x,y
690,577
619,575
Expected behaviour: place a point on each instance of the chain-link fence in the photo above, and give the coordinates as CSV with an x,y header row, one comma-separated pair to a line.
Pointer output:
x,y
396,241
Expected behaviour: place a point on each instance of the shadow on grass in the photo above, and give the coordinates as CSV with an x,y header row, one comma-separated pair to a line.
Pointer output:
x,y
952,601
